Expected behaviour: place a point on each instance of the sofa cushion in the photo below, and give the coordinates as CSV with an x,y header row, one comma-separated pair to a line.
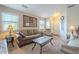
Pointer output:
x,y
33,36
35,31
27,34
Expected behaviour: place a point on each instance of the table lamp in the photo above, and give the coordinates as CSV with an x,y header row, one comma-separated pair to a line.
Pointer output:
x,y
72,28
10,29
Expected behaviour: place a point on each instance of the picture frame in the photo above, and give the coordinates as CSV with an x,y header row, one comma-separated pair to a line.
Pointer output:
x,y
29,21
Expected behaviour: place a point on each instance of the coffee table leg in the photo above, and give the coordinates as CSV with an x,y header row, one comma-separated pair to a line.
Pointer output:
x,y
40,49
34,46
51,42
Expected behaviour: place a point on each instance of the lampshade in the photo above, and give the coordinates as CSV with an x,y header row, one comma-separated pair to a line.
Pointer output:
x,y
10,32
72,28
10,29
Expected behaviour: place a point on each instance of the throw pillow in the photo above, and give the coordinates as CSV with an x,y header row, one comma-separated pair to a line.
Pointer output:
x,y
21,34
74,42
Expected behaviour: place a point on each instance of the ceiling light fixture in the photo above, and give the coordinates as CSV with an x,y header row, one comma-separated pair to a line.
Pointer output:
x,y
72,5
24,6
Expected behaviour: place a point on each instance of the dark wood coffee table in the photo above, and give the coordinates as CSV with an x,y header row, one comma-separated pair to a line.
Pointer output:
x,y
42,41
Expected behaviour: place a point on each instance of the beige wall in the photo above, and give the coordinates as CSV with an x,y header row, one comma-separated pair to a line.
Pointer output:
x,y
19,13
55,24
73,16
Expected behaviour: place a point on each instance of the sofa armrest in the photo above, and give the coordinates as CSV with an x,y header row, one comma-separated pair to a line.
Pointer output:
x,y
70,49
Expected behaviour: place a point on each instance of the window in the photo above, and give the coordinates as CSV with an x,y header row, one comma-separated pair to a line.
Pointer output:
x,y
41,24
47,24
44,24
8,19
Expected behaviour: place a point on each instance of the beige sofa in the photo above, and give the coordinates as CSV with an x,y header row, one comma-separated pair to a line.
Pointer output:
x,y
70,49
72,46
28,36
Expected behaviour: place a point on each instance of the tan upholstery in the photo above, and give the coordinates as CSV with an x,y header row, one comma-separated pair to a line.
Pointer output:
x,y
29,34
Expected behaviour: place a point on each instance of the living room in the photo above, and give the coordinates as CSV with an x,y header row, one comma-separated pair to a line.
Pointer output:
x,y
34,21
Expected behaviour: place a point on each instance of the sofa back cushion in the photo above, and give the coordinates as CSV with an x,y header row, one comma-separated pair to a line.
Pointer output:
x,y
28,32
35,31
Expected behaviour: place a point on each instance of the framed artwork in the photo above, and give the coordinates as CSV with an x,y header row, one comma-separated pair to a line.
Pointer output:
x,y
29,21
62,23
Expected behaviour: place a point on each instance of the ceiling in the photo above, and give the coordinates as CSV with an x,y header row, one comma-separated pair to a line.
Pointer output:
x,y
41,10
